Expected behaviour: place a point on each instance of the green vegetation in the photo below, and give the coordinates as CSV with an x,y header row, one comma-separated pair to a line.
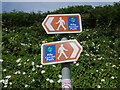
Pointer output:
x,y
97,67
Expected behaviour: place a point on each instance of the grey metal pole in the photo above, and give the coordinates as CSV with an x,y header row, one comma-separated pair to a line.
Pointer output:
x,y
66,72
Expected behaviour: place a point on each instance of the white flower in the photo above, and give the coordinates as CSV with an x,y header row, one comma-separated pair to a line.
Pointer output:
x,y
96,70
27,60
19,64
23,44
37,66
43,71
23,73
59,80
47,79
33,80
102,80
53,65
5,81
18,72
1,80
87,54
112,77
24,62
101,69
18,60
106,64
8,77
113,65
60,76
26,85
33,69
77,64
51,81
94,59
74,62
33,63
10,83
99,86
41,66
5,86
4,70
1,60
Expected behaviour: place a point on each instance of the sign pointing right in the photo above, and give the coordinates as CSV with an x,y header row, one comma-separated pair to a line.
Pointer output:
x,y
61,51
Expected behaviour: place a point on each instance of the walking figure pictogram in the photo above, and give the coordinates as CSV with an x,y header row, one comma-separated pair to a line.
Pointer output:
x,y
61,21
61,51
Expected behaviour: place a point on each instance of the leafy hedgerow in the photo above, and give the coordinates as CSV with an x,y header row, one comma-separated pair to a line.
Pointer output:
x,y
97,66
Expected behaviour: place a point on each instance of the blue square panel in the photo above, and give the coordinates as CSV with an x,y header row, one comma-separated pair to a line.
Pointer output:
x,y
73,23
50,53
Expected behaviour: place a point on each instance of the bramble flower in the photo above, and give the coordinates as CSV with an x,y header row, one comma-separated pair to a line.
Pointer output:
x,y
113,65
47,79
10,83
1,60
18,60
26,85
51,81
5,81
43,71
19,64
33,63
74,62
96,70
8,77
27,60
98,86
77,64
1,80
53,65
41,66
5,86
23,73
60,76
33,69
59,80
33,80
112,77
37,66
4,70
102,80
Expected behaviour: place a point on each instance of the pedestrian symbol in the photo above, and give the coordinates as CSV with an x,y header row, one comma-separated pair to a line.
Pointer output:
x,y
61,51
61,22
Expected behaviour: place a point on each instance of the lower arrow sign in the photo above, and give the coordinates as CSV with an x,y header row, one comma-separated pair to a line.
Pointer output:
x,y
76,49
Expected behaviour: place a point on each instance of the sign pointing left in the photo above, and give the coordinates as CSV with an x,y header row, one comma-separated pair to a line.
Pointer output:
x,y
60,52
48,24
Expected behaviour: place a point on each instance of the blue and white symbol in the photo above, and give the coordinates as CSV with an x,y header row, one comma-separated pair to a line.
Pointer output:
x,y
73,23
50,53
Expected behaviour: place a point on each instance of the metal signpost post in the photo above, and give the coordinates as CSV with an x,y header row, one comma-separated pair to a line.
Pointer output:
x,y
66,72
64,51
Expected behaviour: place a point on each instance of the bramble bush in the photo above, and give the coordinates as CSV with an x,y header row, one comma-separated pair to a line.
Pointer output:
x,y
97,66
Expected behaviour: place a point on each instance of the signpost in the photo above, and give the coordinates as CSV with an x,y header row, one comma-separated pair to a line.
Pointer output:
x,y
62,23
63,51
60,52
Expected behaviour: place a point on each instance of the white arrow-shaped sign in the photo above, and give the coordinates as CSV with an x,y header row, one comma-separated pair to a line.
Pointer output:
x,y
48,24
76,49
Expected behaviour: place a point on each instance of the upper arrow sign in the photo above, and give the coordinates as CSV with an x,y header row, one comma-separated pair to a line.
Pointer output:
x,y
62,23
59,52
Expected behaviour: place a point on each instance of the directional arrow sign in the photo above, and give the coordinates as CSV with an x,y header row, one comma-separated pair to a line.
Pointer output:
x,y
62,23
60,52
